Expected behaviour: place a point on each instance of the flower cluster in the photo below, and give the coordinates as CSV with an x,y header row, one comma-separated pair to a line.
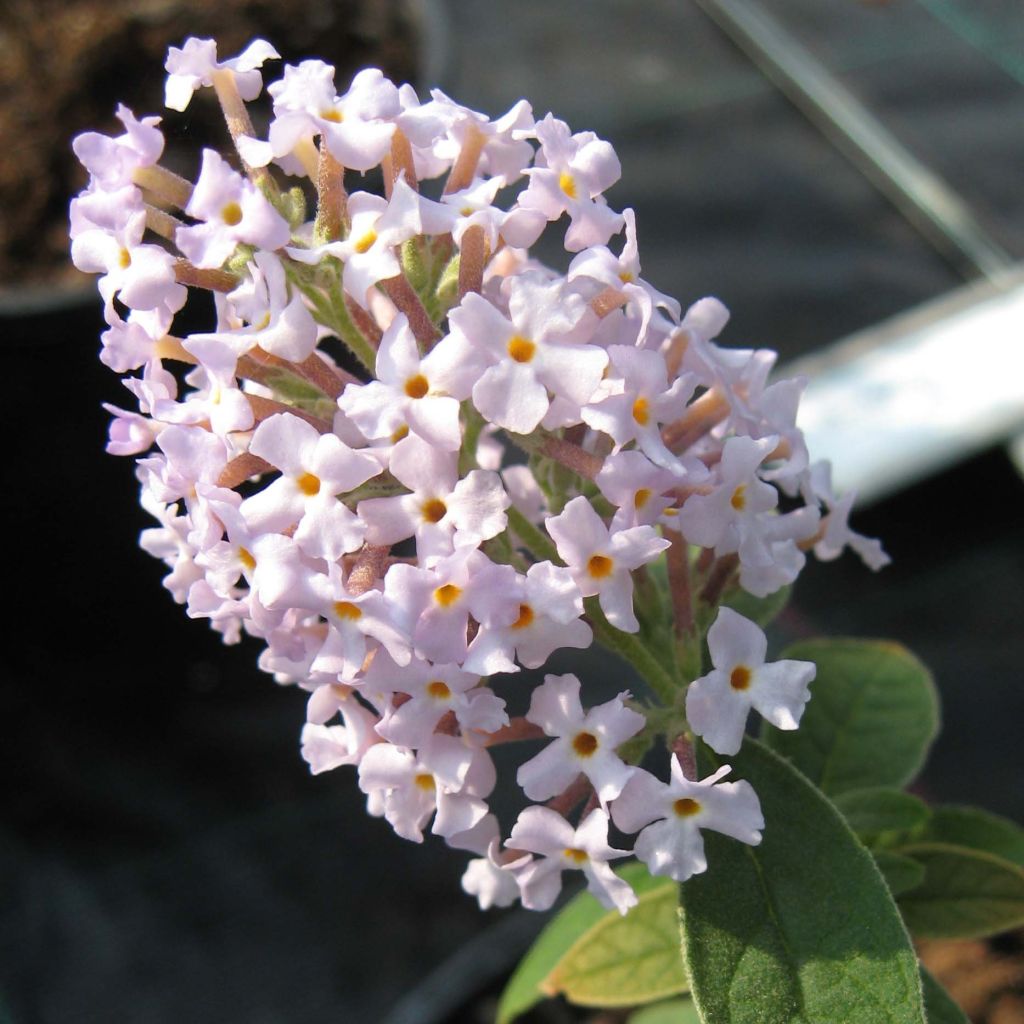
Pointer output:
x,y
409,458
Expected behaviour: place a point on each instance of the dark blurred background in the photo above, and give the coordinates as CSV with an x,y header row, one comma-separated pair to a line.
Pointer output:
x,y
165,855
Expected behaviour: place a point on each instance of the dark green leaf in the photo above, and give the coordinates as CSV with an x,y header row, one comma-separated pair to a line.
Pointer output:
x,y
977,829
872,716
572,921
901,873
939,1007
965,894
626,960
881,809
798,930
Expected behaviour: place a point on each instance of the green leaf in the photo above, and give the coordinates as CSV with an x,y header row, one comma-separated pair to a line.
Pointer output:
x,y
576,918
881,809
977,829
676,1011
901,873
800,929
872,716
626,961
939,1007
966,894
761,610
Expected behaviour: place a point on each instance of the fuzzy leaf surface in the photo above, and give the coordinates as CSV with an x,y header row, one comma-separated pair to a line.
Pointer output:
x,y
872,716
800,929
881,809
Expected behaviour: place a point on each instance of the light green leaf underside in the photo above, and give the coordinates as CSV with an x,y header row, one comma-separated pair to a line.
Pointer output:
x,y
573,920
626,961
872,716
676,1011
798,930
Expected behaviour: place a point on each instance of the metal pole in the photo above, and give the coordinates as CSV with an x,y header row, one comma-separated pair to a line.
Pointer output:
x,y
920,194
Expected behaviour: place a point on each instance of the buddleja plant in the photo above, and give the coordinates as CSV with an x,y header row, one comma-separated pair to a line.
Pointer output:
x,y
413,460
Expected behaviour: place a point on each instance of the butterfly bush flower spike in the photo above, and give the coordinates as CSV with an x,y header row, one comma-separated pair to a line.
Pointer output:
x,y
410,460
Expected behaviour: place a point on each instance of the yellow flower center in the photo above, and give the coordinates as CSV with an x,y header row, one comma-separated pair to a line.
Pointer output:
x,y
347,610
685,807
332,114
245,557
231,214
739,498
641,498
434,510
576,855
584,743
641,411
567,183
417,387
425,781
309,484
521,349
400,434
739,679
447,595
366,242
438,689
525,617
600,566
125,259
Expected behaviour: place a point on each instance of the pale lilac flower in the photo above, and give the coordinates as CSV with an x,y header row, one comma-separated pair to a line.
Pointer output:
x,y
600,561
570,174
671,817
637,400
637,487
357,127
195,64
259,312
435,691
717,704
140,275
315,469
350,619
433,604
545,832
535,349
443,776
377,227
838,535
622,272
492,880
443,511
233,211
111,162
325,747
550,607
585,741
421,393
504,153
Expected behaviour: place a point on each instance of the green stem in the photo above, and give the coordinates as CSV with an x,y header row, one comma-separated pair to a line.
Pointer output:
x,y
629,647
